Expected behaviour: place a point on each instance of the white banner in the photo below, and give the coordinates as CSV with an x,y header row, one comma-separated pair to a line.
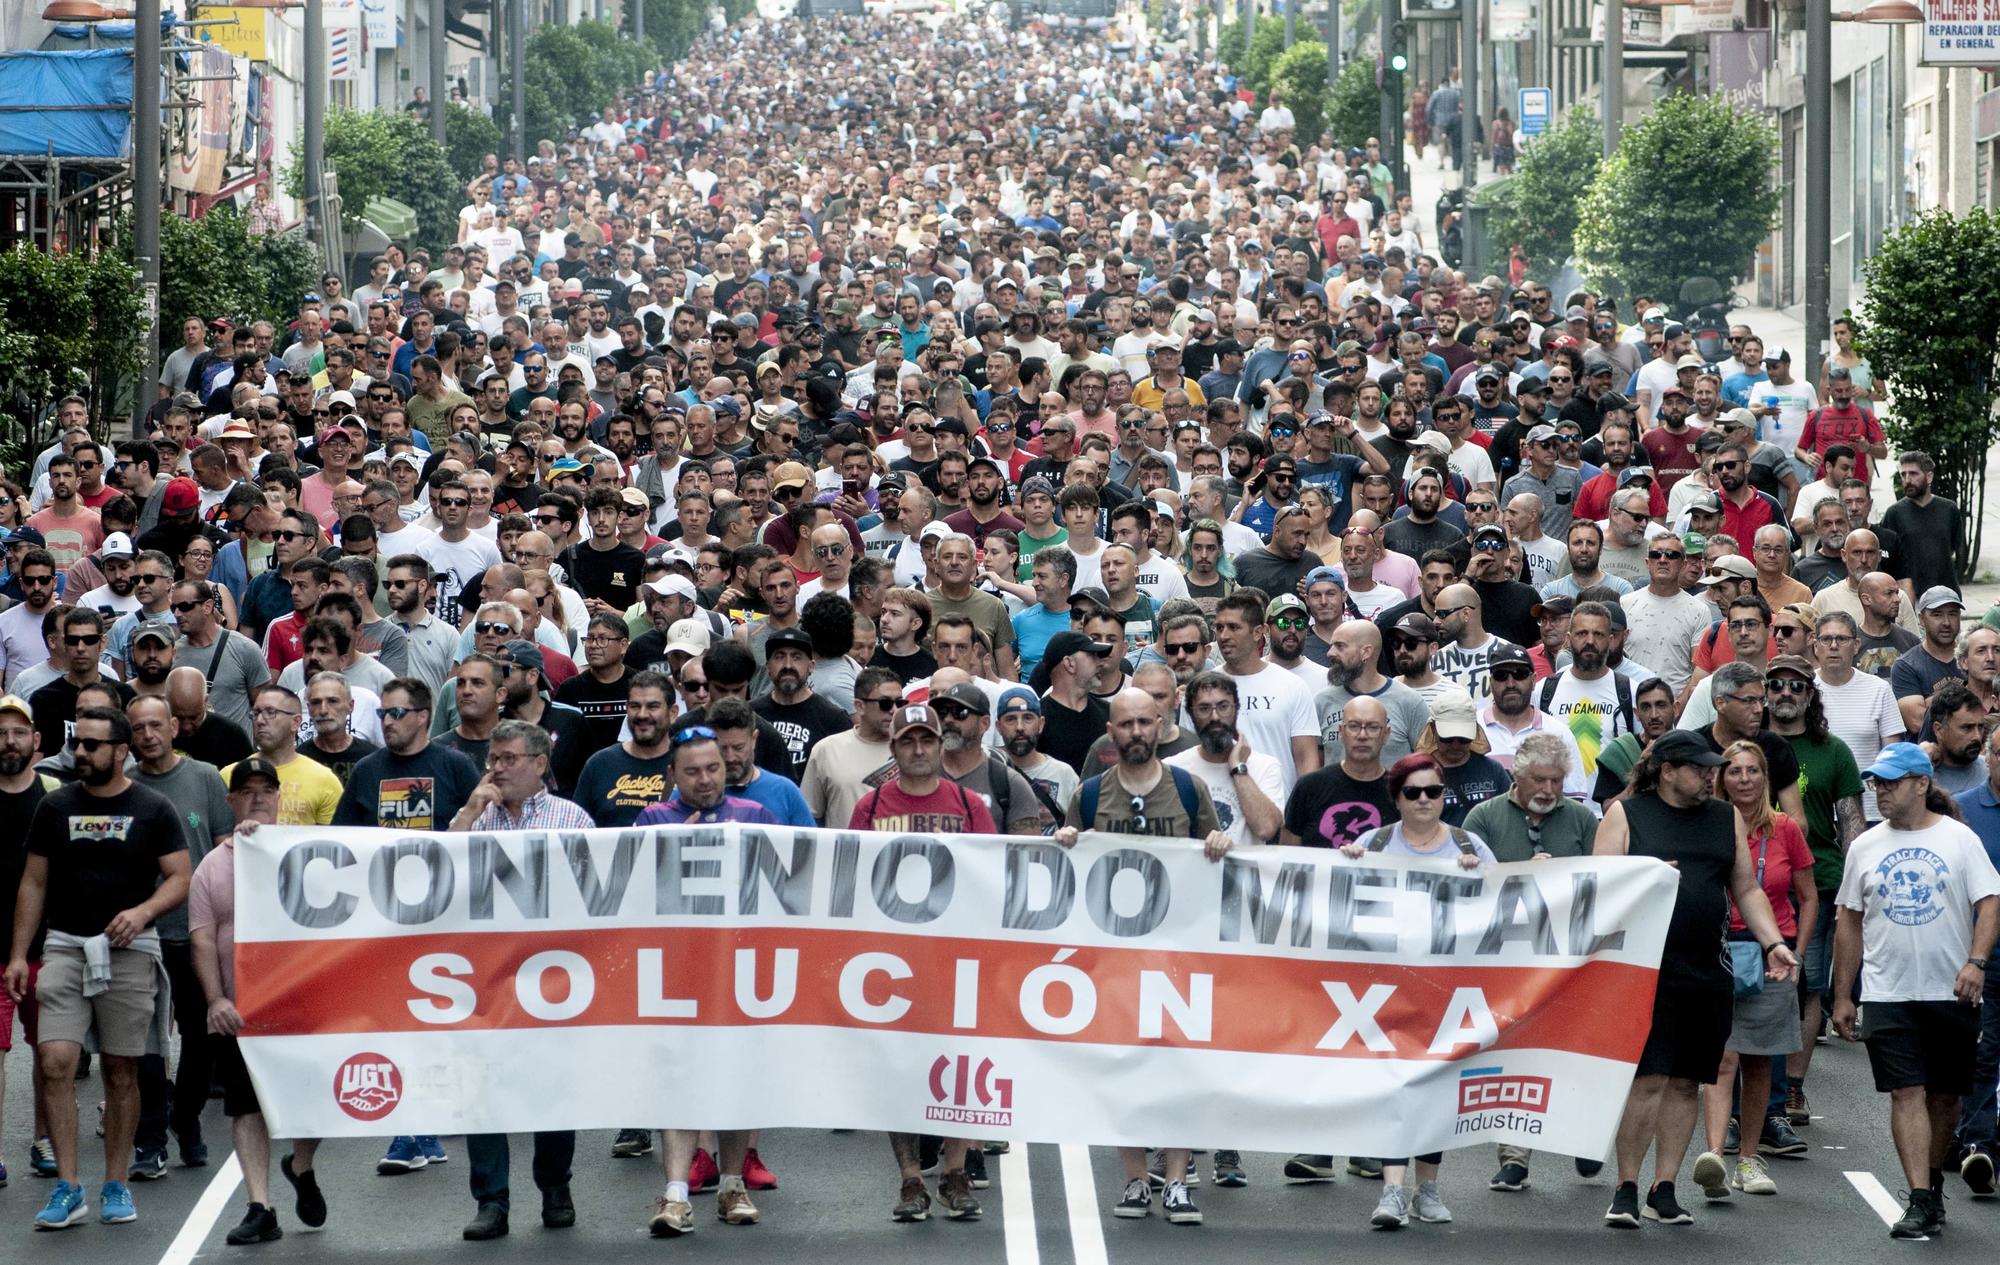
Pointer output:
x,y
1128,991
1961,32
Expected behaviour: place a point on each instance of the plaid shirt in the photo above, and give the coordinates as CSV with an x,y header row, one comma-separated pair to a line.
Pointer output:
x,y
540,811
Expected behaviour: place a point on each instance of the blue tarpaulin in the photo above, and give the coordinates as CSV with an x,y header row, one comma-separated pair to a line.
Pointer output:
x,y
42,96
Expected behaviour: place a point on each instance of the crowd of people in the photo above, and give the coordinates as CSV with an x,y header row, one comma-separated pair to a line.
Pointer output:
x,y
1014,436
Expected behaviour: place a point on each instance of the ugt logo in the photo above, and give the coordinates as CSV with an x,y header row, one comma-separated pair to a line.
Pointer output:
x,y
964,1094
1490,1089
368,1086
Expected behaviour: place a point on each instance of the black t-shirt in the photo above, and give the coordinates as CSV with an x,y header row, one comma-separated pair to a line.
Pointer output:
x,y
407,792
615,786
103,852
609,575
568,748
907,667
1409,537
1479,779
473,749
772,752
1067,733
803,726
215,741
339,763
508,499
1329,809
1507,609
17,806
55,710
602,705
1779,757
1701,844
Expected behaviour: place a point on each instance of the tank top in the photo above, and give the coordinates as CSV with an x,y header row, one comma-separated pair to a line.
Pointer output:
x,y
1701,841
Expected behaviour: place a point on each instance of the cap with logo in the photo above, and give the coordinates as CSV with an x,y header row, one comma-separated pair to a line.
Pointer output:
x,y
965,694
1506,652
252,767
1284,604
914,716
688,636
19,706
116,545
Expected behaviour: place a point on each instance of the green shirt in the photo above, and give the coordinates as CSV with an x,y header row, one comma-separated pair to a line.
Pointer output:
x,y
1827,775
1569,831
1030,546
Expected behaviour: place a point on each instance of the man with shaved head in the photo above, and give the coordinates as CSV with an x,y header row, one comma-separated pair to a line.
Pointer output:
x,y
1464,641
1543,557
1353,670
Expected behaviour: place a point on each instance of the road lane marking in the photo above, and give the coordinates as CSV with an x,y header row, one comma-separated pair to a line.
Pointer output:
x,y
1876,1196
1086,1225
206,1212
1017,1206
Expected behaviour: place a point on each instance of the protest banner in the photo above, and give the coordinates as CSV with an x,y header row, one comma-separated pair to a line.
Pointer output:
x,y
1127,991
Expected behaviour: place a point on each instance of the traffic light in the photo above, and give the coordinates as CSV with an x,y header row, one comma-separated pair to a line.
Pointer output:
x,y
1399,48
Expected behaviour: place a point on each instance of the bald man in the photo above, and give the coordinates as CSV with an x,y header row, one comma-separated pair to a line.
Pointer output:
x,y
1465,643
199,732
1343,802
1353,670
1543,557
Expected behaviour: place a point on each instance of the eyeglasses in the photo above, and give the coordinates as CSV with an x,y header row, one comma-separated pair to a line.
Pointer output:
x,y
603,639
1665,555
90,745
1745,625
493,627
1756,700
266,713
1792,686
1411,794
398,713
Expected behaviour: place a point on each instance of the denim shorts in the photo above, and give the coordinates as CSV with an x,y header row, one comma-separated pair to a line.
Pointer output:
x,y
1816,963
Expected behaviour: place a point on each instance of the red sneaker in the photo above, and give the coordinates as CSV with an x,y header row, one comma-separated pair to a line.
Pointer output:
x,y
755,1175
703,1175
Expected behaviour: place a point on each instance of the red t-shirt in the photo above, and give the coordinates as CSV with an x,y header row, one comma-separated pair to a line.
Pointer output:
x,y
1785,854
1593,499
284,642
949,808
1854,426
1671,456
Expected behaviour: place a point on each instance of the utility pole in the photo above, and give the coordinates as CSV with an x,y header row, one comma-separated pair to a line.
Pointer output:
x,y
1614,73
315,124
639,20
1332,44
1819,187
517,17
1394,41
1468,99
440,93
1289,6
146,197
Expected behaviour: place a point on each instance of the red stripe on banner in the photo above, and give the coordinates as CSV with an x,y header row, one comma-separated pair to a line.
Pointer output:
x,y
863,980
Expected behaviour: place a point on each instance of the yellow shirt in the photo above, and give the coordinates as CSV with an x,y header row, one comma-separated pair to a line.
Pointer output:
x,y
1147,394
307,792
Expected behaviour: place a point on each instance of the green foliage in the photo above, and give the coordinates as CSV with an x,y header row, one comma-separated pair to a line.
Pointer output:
x,y
1538,209
68,323
215,266
1299,75
1929,330
1354,107
1687,194
1267,41
391,154
573,72
672,25
468,137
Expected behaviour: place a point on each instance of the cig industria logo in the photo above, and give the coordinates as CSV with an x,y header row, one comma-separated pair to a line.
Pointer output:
x,y
965,1093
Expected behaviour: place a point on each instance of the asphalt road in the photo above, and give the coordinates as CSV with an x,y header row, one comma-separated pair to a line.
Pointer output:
x,y
1046,1203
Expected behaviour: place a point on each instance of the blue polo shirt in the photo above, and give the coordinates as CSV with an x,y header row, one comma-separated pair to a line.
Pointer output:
x,y
1982,813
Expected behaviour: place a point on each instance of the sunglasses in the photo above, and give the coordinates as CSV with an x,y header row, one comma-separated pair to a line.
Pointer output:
x,y
1792,686
1411,794
824,552
397,713
492,627
89,640
90,745
38,580
1511,674
181,607
1490,546
1291,623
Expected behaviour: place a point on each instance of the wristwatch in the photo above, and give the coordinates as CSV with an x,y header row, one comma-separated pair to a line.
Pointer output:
x,y
1975,962
1239,770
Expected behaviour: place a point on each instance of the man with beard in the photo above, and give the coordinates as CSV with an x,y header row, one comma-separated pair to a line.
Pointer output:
x,y
1957,722
1590,699
961,709
153,587
308,793
1556,485
1244,785
840,770
1286,626
620,781
1585,540
152,658
1279,566
1744,508
22,642
803,718
983,513
81,650
114,597
90,885
736,731
1512,717
1353,670
331,705
1916,675
885,538
1824,566
1020,725
1670,446
1926,523
21,790
1420,530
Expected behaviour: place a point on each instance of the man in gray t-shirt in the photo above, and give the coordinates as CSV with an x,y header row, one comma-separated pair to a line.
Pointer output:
x,y
1556,485
232,664
1352,655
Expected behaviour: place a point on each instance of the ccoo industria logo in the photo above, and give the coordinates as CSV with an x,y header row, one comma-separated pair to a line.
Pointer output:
x,y
368,1086
962,1093
1488,1098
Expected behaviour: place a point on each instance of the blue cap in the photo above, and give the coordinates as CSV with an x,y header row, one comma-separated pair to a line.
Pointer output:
x,y
1326,573
1020,699
1898,761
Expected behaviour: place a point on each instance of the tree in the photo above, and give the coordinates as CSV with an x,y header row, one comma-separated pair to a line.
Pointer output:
x,y
1929,329
1687,194
1353,108
1253,64
1537,209
1299,76
215,266
68,323
469,137
390,154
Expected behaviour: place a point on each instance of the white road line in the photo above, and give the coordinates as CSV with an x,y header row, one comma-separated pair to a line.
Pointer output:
x,y
1017,1207
207,1210
1876,1195
1086,1225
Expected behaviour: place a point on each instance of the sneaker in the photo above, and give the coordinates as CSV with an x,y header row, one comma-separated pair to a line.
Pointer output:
x,y
1156,1172
975,1168
1796,1109
1179,1208
403,1156
194,1151
42,1158
489,1223
1977,1170
913,1203
1429,1206
955,1193
147,1166
1779,1139
1752,1178
1661,1206
1624,1210
1916,1219
311,1206
114,1204
1364,1166
703,1175
1732,1137
998,1148
558,1208
1228,1170
1712,1175
1309,1168
734,1207
671,1218
1588,1168
1510,1177
1137,1200
259,1225
434,1152
755,1175
1935,1226
1392,1210
632,1143
64,1209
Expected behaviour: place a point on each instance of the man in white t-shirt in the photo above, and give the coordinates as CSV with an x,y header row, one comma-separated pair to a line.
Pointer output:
x,y
1917,921
1860,707
1275,709
1588,698
1244,784
1781,402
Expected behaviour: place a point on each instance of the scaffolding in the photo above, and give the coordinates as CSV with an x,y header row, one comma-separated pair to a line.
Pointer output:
x,y
61,204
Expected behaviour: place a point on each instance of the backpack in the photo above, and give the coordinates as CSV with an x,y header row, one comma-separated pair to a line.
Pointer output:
x,y
1183,784
1379,840
1620,687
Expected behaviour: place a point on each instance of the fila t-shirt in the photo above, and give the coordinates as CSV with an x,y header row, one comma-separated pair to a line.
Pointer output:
x,y
423,791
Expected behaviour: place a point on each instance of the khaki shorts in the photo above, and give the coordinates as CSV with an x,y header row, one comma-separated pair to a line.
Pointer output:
x,y
122,1013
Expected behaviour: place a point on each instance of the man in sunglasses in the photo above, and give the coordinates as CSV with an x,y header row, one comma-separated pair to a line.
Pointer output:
x,y
78,647
1745,508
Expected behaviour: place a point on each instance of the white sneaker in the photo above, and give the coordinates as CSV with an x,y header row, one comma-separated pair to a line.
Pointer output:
x,y
1753,1178
1712,1175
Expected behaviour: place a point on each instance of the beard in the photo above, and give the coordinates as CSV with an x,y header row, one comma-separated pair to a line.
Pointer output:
x,y
1218,738
11,764
1339,675
1544,804
1589,660
90,776
1137,751
1021,746
955,741
151,672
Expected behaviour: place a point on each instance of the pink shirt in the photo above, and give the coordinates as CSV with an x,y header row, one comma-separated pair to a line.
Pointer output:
x,y
212,903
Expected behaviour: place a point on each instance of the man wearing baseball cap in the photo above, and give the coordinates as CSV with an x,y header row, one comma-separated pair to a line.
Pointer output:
x,y
1918,920
1073,717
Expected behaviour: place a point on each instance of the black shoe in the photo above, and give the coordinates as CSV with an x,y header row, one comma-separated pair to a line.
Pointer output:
x,y
1916,1221
1229,1170
558,1212
632,1143
490,1223
1732,1138
1661,1206
147,1165
1309,1168
1779,1139
975,1168
1588,1168
259,1225
1510,1177
1364,1166
194,1152
929,1146
312,1205
1624,1209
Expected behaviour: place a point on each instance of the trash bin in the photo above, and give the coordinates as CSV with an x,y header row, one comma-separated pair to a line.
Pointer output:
x,y
1484,252
397,220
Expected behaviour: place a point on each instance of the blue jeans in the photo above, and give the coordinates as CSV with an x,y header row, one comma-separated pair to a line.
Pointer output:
x,y
488,1155
1976,1125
